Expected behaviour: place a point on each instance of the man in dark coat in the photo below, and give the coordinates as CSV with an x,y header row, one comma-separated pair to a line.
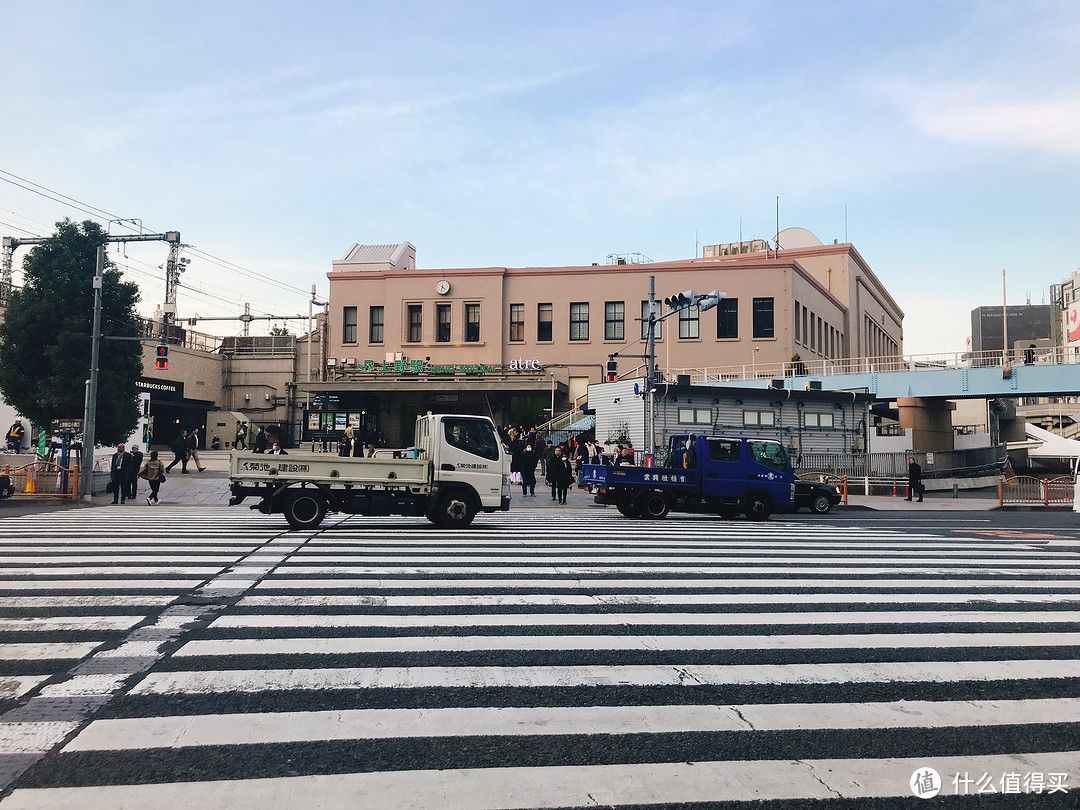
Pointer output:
x,y
120,474
560,475
261,441
179,447
914,479
136,465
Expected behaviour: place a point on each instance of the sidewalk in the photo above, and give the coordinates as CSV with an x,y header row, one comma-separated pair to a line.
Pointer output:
x,y
212,487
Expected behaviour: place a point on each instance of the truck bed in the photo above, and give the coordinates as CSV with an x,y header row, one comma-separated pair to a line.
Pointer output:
x,y
326,468
627,476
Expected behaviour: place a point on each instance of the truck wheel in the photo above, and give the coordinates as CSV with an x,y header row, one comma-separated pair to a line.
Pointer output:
x,y
454,510
305,508
821,505
757,507
653,505
626,509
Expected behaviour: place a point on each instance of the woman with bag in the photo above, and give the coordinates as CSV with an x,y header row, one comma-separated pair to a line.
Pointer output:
x,y
153,470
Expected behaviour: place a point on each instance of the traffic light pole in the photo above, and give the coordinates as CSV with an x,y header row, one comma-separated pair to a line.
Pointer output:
x,y
86,471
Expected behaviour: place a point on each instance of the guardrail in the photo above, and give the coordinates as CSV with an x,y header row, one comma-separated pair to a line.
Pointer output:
x,y
1032,491
43,478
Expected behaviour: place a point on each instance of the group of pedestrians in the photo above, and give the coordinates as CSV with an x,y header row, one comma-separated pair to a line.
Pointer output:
x,y
125,470
560,465
185,447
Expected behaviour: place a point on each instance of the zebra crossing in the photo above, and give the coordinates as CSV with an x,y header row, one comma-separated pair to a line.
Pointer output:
x,y
206,657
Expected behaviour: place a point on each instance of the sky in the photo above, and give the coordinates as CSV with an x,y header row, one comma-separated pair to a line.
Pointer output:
x,y
941,138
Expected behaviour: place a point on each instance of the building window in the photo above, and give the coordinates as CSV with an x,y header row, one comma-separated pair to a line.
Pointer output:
x,y
798,322
348,325
645,323
579,320
472,323
695,416
758,418
543,323
517,322
375,325
614,320
689,322
442,323
727,318
415,321
763,318
824,420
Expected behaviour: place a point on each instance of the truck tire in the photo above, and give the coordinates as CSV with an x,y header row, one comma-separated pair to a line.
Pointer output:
x,y
757,507
304,508
653,505
626,509
454,510
821,505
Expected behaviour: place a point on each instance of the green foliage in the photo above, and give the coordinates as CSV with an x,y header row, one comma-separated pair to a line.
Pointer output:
x,y
45,336
278,331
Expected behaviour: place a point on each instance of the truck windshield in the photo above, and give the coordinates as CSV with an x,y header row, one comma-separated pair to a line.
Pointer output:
x,y
771,454
474,436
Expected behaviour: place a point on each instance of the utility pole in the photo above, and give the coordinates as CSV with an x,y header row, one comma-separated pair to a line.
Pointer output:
x,y
90,409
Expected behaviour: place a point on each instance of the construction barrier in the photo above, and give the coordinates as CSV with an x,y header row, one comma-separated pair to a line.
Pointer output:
x,y
43,479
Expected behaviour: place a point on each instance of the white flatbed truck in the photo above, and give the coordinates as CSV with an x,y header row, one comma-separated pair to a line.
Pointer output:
x,y
459,468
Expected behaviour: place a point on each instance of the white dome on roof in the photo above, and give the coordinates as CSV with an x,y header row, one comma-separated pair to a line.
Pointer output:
x,y
796,238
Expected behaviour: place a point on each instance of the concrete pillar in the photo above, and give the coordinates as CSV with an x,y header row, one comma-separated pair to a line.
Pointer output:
x,y
929,422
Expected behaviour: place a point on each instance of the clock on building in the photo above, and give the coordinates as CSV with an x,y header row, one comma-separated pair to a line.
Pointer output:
x,y
442,287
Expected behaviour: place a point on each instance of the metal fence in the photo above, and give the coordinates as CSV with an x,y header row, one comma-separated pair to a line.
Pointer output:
x,y
1027,489
968,463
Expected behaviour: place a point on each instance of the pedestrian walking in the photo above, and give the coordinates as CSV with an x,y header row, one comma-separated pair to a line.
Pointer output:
x,y
153,470
120,473
528,471
193,448
914,480
261,440
179,447
241,436
136,465
560,475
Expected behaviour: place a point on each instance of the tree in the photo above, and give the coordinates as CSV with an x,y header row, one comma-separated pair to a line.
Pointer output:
x,y
45,336
280,331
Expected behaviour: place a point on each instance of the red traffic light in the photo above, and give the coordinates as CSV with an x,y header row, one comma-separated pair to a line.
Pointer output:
x,y
162,360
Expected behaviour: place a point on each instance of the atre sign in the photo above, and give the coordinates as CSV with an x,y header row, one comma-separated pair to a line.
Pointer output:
x,y
411,366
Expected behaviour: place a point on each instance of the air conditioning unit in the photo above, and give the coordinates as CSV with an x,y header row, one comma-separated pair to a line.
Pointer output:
x,y
331,361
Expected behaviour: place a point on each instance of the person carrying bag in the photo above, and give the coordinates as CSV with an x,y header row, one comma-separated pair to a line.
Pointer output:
x,y
153,470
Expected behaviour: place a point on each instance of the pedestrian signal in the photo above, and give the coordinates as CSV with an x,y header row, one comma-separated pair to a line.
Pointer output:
x,y
612,371
162,360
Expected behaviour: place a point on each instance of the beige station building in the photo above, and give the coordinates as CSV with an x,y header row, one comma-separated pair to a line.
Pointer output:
x,y
516,343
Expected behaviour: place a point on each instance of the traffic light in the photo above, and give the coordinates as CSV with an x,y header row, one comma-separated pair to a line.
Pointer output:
x,y
612,371
681,300
162,360
709,300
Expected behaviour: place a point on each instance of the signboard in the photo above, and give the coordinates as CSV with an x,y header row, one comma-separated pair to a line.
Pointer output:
x,y
68,427
1073,323
427,367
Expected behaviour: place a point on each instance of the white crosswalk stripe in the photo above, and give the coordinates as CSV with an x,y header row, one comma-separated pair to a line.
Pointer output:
x,y
543,658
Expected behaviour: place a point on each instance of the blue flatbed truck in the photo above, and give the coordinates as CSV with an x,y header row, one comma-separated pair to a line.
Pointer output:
x,y
723,475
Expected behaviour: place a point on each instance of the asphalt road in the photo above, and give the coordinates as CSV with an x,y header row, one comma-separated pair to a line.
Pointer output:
x,y
197,655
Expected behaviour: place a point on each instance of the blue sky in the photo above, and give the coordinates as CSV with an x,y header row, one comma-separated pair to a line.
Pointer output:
x,y
943,138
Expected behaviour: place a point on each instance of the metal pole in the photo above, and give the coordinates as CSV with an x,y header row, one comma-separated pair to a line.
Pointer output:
x,y
89,413
650,370
310,315
1004,328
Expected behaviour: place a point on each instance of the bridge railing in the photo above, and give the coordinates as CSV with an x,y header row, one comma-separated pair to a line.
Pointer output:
x,y
818,367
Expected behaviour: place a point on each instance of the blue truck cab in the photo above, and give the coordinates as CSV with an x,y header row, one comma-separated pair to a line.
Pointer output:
x,y
724,475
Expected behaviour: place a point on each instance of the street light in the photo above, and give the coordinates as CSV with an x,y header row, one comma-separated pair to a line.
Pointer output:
x,y
753,362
